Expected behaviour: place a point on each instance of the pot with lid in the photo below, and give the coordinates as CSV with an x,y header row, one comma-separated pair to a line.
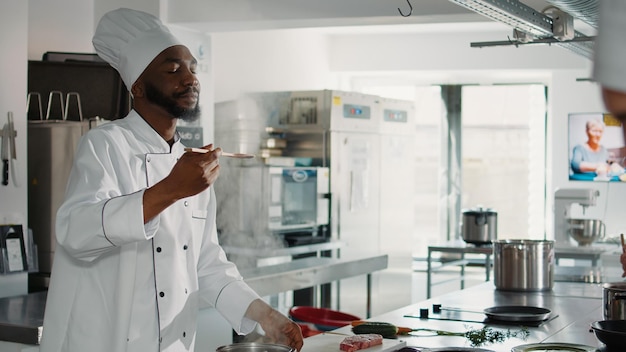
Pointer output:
x,y
614,300
479,226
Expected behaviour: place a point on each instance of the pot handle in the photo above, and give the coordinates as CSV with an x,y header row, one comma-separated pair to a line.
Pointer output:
x,y
602,230
481,219
619,296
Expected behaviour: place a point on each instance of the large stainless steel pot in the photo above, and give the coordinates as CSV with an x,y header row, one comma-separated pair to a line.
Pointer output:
x,y
479,226
614,300
523,265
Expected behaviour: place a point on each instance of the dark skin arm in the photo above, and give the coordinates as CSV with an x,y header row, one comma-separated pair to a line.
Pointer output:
x,y
192,174
277,327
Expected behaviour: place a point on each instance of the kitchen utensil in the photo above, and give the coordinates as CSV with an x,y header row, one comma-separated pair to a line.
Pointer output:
x,y
324,319
611,332
455,349
255,347
621,237
554,347
330,342
4,154
479,226
505,313
13,152
517,313
585,231
226,154
523,265
614,300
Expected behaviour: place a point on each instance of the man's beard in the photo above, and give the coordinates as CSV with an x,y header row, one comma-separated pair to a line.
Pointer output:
x,y
169,103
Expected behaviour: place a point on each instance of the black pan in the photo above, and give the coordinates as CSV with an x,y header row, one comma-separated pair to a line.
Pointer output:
x,y
611,332
517,313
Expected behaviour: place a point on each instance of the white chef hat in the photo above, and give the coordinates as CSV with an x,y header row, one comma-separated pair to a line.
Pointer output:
x,y
129,40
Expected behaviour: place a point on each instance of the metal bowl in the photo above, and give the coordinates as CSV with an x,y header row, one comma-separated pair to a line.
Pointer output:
x,y
254,347
585,231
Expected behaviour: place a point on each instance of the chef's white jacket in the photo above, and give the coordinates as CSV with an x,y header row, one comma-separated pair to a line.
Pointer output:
x,y
610,45
118,284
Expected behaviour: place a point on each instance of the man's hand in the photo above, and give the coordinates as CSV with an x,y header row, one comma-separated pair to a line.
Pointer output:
x,y
192,174
277,327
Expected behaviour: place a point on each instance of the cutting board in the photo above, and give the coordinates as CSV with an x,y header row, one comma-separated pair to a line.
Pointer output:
x,y
330,343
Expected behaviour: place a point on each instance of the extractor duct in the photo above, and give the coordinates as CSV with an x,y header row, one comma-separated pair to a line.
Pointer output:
x,y
535,27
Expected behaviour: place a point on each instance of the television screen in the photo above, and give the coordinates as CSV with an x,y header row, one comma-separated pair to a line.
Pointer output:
x,y
597,151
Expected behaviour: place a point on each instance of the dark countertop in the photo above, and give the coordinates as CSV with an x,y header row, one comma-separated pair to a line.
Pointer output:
x,y
21,318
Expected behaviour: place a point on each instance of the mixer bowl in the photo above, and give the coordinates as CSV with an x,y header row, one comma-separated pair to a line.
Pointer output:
x,y
585,231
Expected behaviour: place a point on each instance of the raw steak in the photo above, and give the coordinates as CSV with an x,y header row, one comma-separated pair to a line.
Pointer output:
x,y
360,342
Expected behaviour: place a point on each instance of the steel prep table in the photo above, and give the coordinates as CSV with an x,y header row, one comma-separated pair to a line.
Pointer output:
x,y
461,248
21,317
574,306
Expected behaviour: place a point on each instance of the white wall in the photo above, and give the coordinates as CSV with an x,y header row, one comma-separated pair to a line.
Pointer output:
x,y
13,206
59,25
273,60
568,96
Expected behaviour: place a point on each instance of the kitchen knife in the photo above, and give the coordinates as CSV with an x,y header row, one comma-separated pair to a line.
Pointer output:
x,y
12,152
12,134
4,154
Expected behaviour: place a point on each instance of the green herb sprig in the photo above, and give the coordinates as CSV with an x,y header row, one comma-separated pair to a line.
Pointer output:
x,y
485,335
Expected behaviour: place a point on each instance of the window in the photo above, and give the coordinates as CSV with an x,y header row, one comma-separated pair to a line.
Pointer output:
x,y
503,166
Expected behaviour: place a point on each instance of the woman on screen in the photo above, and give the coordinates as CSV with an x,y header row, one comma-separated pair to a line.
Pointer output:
x,y
591,156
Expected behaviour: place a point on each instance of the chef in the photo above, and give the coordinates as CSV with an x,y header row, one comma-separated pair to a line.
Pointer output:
x,y
137,251
609,68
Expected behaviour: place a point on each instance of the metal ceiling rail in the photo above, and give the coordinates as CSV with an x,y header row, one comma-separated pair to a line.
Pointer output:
x,y
526,19
513,13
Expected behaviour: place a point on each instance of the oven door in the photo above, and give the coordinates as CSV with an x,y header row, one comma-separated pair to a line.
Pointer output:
x,y
293,198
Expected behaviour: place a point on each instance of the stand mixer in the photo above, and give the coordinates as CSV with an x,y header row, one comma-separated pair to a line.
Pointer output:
x,y
563,200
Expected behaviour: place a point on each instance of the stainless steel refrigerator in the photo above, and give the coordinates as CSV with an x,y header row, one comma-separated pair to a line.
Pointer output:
x,y
368,144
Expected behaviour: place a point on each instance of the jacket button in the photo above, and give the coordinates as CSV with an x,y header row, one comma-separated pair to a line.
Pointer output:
x,y
186,203
184,334
148,159
185,290
158,249
185,247
162,294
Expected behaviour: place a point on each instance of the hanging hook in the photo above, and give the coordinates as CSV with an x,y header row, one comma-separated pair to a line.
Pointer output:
x,y
410,11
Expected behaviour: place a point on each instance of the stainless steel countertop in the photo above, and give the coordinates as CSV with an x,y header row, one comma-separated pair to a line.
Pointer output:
x,y
282,252
307,272
574,306
21,317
